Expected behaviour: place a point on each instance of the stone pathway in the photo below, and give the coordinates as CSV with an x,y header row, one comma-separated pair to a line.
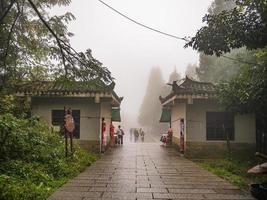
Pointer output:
x,y
146,171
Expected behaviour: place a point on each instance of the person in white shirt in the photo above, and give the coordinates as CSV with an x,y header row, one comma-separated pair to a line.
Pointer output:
x,y
120,134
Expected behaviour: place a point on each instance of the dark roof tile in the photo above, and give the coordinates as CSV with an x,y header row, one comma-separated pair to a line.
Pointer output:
x,y
190,87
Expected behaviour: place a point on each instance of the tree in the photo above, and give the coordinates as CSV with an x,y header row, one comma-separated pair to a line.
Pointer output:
x,y
174,76
247,92
245,25
150,108
35,45
214,69
191,71
217,6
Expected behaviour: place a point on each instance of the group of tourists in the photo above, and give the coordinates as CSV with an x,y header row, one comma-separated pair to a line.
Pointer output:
x,y
116,137
136,133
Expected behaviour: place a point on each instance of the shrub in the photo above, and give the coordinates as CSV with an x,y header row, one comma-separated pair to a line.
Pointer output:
x,y
33,162
27,139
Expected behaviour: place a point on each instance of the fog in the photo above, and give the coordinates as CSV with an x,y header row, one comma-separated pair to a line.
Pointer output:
x,y
129,50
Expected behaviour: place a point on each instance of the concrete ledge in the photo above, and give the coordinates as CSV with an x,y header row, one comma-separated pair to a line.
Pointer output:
x,y
217,149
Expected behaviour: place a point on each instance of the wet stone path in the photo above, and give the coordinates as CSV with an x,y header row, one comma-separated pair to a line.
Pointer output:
x,y
146,171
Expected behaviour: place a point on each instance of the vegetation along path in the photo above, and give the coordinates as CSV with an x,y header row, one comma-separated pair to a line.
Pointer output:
x,y
146,171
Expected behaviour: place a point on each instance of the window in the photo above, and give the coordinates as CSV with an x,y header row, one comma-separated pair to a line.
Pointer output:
x,y
58,120
219,125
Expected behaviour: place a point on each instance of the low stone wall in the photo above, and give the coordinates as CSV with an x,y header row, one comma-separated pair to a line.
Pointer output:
x,y
217,149
90,145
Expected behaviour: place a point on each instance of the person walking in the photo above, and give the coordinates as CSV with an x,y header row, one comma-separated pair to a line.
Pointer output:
x,y
142,135
120,134
136,135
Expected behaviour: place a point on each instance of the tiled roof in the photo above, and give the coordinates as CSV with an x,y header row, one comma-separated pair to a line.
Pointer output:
x,y
64,87
190,87
50,88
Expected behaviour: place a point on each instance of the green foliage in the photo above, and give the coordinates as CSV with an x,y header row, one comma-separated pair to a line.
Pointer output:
x,y
27,139
234,170
27,49
215,69
245,25
17,106
247,92
34,45
33,162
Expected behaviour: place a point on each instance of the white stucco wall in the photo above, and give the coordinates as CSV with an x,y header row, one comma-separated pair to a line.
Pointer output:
x,y
178,111
196,119
245,127
89,113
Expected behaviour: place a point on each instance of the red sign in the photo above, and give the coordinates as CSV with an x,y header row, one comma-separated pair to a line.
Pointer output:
x,y
69,123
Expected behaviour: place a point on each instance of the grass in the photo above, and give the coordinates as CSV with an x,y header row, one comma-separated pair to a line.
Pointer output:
x,y
234,170
21,180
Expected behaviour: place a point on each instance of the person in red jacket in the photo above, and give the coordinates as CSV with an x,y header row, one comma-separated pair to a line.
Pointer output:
x,y
103,135
112,136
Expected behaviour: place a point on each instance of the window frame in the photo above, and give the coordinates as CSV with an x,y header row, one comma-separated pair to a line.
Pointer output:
x,y
214,126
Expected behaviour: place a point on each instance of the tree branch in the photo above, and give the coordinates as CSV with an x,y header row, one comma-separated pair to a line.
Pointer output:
x,y
52,32
9,37
7,11
67,52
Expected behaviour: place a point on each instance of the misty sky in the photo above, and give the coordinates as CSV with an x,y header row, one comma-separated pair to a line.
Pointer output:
x,y
128,50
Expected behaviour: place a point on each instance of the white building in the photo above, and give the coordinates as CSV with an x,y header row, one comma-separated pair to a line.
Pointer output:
x,y
89,101
193,112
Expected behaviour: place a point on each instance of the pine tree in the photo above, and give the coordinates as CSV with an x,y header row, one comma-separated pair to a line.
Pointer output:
x,y
150,109
174,76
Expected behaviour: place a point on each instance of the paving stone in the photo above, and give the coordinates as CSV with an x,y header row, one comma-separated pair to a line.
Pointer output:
x,y
75,188
146,171
158,190
122,195
73,194
177,196
192,191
